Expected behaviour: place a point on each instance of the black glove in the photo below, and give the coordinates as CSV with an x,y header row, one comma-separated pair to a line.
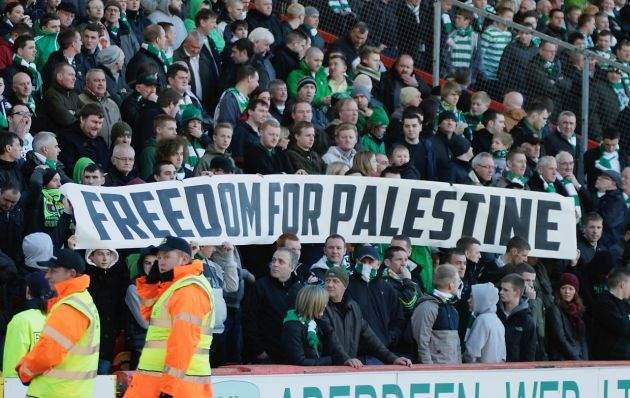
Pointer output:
x,y
166,276
154,274
165,395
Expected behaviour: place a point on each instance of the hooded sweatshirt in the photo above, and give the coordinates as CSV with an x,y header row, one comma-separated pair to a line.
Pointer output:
x,y
485,340
79,166
520,332
37,247
162,14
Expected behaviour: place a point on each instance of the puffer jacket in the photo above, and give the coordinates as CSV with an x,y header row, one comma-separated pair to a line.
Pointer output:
x,y
434,325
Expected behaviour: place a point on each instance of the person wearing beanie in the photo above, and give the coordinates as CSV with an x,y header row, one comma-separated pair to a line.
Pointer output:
x,y
121,134
440,141
25,327
376,126
363,97
79,167
36,247
309,27
197,137
351,329
119,32
460,163
111,60
485,339
566,328
44,202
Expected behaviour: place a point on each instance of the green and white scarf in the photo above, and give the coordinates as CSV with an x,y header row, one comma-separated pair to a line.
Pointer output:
x,y
500,154
620,91
549,187
447,23
241,99
511,177
311,333
570,188
37,78
366,275
606,159
53,207
150,47
551,69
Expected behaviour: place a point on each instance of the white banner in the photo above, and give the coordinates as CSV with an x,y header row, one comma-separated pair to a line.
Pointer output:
x,y
252,209
596,382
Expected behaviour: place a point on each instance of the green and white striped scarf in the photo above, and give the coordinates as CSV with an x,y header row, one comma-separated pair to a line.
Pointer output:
x,y
311,333
150,47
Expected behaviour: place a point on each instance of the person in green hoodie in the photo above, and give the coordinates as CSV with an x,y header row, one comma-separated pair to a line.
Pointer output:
x,y
191,22
79,168
46,43
376,125
311,65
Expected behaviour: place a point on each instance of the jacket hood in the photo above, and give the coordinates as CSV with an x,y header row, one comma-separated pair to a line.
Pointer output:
x,y
523,305
485,298
37,247
89,252
79,166
162,5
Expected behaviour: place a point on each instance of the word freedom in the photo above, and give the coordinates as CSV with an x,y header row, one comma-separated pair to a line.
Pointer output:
x,y
249,209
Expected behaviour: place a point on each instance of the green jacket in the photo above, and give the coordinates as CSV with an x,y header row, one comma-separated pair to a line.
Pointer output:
x,y
321,80
45,44
147,159
22,333
368,142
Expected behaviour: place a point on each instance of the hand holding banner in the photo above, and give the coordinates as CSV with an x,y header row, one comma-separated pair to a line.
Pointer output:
x,y
251,209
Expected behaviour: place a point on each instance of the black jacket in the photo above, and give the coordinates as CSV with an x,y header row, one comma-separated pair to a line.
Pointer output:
x,y
611,334
520,333
513,66
56,58
381,18
209,67
411,35
345,46
482,141
107,288
353,331
539,84
11,171
442,155
298,351
75,144
116,87
32,161
60,107
284,61
612,208
458,173
391,84
12,225
535,183
255,19
567,342
555,143
264,309
592,172
380,306
259,160
145,62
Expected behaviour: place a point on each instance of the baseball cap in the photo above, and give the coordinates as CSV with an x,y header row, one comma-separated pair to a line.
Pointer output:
x,y
367,251
65,258
174,243
613,175
149,79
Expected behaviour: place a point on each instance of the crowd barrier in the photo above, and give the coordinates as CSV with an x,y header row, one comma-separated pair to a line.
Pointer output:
x,y
13,388
588,379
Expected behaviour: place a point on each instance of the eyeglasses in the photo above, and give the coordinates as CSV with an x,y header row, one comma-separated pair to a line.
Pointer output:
x,y
128,160
26,114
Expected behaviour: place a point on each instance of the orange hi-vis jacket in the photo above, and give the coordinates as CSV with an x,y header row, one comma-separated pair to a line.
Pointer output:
x,y
186,305
63,329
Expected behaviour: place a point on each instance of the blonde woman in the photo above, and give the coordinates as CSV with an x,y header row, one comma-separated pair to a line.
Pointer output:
x,y
307,339
365,162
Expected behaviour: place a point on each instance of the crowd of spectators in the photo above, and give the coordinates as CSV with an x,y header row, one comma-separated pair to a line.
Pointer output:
x,y
132,92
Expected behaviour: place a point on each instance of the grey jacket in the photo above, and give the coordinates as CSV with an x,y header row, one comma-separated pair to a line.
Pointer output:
x,y
485,340
434,346
223,276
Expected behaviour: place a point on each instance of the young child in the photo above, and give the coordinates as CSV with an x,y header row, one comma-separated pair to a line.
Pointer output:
x,y
462,41
485,340
479,104
447,23
450,93
435,320
399,157
109,279
514,313
493,41
479,22
239,29
501,144
376,127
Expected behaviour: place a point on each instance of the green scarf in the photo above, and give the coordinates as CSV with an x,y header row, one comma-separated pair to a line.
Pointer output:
x,y
570,188
536,132
500,154
511,177
464,32
311,334
4,123
358,269
241,99
51,164
551,69
447,23
53,207
123,19
604,161
620,91
150,47
551,188
37,78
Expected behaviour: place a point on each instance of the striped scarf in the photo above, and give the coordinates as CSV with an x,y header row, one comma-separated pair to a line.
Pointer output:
x,y
622,96
152,48
570,188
